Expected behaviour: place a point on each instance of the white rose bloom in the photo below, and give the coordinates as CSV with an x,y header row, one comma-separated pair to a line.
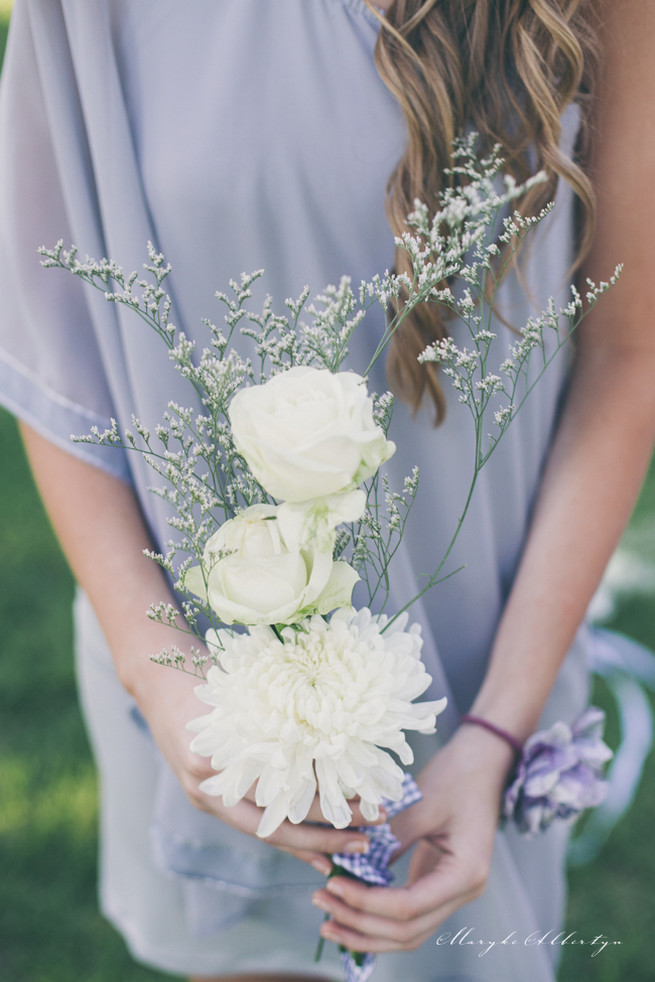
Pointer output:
x,y
315,520
313,712
250,575
308,433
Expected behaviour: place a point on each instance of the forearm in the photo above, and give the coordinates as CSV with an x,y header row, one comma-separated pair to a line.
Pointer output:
x,y
591,481
99,524
606,433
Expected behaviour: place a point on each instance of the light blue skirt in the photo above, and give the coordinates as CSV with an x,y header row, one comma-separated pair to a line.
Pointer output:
x,y
211,900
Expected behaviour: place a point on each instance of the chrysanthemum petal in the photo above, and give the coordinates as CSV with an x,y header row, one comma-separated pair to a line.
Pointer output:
x,y
319,707
273,816
301,803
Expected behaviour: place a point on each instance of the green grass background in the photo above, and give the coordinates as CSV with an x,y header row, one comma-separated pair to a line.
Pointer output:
x,y
50,930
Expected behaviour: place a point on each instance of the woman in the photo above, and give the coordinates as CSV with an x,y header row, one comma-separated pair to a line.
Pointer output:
x,y
242,134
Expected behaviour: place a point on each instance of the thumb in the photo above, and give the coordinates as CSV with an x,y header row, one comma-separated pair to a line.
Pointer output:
x,y
416,822
428,854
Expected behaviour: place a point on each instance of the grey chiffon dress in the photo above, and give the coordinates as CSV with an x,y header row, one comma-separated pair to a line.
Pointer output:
x,y
238,135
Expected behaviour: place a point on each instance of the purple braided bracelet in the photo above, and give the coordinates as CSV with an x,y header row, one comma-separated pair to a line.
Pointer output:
x,y
515,744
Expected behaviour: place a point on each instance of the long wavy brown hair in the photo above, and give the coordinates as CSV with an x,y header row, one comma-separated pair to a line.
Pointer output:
x,y
506,68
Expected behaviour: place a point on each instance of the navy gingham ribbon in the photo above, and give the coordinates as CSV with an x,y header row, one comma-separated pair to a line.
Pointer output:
x,y
373,868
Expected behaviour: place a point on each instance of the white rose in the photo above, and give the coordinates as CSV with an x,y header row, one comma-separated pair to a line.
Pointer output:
x,y
250,575
314,521
308,433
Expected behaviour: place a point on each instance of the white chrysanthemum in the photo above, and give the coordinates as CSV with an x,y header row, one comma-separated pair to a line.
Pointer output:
x,y
314,711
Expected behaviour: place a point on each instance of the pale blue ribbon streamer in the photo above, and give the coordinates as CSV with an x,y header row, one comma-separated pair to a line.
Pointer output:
x,y
628,670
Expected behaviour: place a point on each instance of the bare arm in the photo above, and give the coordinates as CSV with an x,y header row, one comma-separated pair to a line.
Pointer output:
x,y
593,475
99,524
605,439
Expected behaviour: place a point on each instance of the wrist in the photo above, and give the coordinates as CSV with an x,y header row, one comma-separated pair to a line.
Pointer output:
x,y
498,731
517,715
133,653
164,695
487,751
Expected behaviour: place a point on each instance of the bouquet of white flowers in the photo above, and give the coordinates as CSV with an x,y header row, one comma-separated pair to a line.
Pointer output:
x,y
303,703
281,507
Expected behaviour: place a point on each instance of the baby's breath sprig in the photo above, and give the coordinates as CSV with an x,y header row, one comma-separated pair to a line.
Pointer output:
x,y
458,258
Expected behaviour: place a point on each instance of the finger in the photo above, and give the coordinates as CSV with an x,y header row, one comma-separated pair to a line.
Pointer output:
x,y
354,941
359,930
390,939
304,837
322,864
449,881
319,838
367,932
357,819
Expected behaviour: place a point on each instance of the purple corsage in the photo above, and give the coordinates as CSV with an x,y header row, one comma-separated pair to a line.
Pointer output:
x,y
559,774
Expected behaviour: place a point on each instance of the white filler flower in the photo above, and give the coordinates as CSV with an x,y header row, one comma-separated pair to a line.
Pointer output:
x,y
308,433
312,712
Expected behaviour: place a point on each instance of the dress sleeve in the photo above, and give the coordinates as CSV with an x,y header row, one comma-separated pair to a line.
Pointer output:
x,y
52,371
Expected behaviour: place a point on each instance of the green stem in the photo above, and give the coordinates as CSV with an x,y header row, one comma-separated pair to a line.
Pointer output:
x,y
434,579
321,943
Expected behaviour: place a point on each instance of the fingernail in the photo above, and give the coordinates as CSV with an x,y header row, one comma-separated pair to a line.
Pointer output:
x,y
323,866
329,932
335,887
358,845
